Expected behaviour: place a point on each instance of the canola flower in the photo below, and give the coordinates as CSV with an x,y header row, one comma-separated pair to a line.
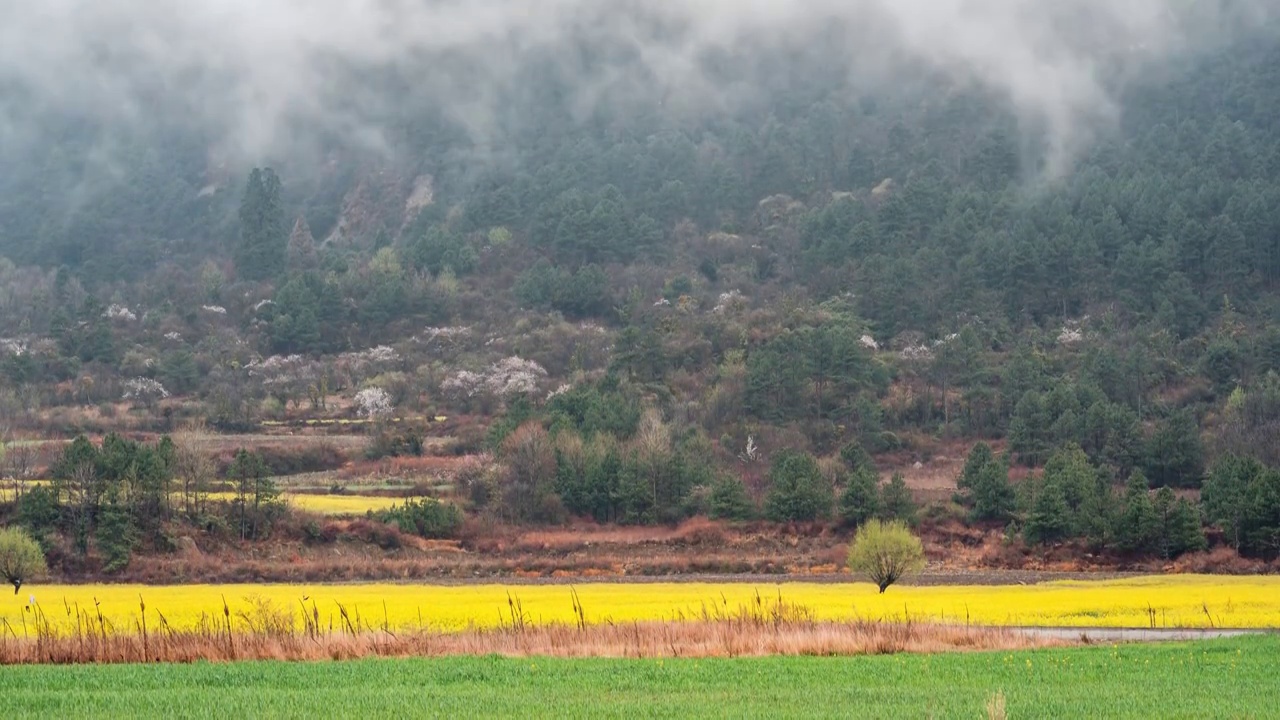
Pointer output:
x,y
327,504
1175,601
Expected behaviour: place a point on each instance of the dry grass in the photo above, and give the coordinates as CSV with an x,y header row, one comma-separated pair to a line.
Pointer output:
x,y
267,632
996,706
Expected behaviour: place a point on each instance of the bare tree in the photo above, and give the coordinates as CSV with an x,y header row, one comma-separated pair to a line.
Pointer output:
x,y
19,464
194,469
83,491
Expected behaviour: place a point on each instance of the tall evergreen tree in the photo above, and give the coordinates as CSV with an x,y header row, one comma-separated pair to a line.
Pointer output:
x,y
302,253
264,235
1180,529
860,500
1138,527
993,496
896,502
798,490
1050,518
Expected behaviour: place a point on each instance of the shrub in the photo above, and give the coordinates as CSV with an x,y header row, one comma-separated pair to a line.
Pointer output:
x,y
428,518
385,536
885,552
293,460
386,444
20,557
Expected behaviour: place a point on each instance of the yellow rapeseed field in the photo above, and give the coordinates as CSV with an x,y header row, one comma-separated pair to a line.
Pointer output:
x,y
328,504
1167,601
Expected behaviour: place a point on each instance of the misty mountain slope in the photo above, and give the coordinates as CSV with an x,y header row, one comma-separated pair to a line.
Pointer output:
x,y
930,191
648,247
688,111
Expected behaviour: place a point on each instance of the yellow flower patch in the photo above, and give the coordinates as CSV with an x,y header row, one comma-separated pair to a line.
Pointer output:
x,y
1179,601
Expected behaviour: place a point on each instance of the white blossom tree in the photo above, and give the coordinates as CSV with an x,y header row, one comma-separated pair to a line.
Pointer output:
x,y
503,379
374,404
285,377
144,391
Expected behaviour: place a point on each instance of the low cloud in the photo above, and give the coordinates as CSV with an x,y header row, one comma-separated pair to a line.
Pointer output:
x,y
257,74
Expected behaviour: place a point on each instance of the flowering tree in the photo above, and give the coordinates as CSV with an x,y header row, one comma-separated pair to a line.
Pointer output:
x,y
502,380
285,377
514,376
463,385
353,368
145,391
119,312
374,403
730,302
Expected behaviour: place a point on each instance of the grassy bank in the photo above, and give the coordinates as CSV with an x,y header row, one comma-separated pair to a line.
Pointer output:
x,y
1227,678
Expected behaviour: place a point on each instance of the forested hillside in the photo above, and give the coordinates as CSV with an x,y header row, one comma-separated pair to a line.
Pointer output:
x,y
646,315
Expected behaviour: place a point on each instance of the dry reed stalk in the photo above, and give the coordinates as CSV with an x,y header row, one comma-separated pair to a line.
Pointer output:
x,y
726,637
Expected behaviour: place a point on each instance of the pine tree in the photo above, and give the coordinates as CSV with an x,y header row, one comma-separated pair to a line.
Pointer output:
x,y
1180,529
860,500
302,248
856,457
1050,518
985,487
798,491
1138,527
993,496
261,252
979,457
1226,495
729,500
896,502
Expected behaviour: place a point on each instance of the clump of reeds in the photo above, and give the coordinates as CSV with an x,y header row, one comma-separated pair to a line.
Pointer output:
x,y
267,632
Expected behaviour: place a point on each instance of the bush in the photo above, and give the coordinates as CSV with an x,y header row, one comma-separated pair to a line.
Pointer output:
x,y
428,518
885,552
389,445
20,557
283,460
384,535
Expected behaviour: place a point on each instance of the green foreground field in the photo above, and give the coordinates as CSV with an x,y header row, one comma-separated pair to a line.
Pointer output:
x,y
1221,678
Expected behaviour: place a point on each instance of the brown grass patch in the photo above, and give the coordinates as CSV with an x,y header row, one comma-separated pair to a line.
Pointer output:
x,y
270,633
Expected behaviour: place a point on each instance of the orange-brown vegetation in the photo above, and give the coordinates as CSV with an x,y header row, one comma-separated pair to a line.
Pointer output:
x,y
339,550
269,633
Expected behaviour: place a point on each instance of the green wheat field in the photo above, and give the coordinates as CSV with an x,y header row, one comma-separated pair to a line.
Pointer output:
x,y
1233,678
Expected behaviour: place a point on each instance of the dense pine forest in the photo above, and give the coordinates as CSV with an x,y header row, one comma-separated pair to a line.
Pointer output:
x,y
635,316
